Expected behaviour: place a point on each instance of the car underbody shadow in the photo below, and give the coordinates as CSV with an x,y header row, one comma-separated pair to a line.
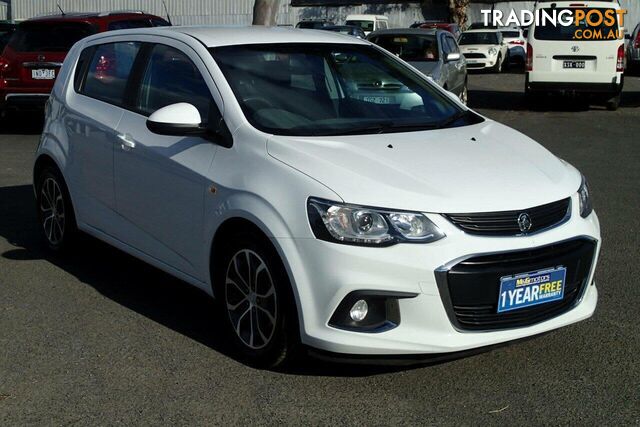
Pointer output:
x,y
151,292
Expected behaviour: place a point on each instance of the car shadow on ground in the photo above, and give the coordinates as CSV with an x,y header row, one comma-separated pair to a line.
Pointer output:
x,y
27,123
515,101
149,291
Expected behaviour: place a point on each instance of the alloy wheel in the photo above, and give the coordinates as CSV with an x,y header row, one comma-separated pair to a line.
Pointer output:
x,y
464,95
52,211
251,299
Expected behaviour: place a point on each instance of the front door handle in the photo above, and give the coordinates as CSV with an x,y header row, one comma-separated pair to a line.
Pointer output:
x,y
126,142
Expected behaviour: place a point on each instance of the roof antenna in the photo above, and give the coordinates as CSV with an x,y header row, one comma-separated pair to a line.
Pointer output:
x,y
61,11
166,10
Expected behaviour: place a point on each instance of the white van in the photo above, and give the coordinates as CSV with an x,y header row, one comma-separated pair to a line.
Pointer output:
x,y
564,59
368,23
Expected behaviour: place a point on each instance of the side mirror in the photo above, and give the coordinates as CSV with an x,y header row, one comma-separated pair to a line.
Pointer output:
x,y
180,119
453,56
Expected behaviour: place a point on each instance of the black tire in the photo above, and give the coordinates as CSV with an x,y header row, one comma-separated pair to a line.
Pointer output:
x,y
258,347
56,217
613,103
498,67
464,94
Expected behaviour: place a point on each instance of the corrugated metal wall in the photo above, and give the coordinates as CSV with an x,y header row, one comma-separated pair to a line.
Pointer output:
x,y
3,11
216,12
239,12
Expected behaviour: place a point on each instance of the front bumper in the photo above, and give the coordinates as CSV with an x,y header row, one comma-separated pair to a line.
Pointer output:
x,y
324,273
480,63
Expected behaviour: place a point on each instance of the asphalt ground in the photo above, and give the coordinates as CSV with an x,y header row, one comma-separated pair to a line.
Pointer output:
x,y
98,337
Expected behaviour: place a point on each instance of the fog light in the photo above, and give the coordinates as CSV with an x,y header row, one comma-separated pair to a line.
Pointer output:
x,y
359,310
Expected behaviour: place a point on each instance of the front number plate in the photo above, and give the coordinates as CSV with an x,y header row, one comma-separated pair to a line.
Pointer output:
x,y
43,74
572,64
527,289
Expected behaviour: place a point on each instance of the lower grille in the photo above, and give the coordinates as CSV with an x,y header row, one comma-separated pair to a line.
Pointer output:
x,y
506,223
474,55
469,289
475,65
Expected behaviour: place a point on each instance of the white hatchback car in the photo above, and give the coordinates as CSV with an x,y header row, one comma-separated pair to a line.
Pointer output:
x,y
324,191
484,49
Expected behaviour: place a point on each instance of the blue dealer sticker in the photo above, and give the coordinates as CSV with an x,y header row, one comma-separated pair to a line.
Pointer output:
x,y
527,289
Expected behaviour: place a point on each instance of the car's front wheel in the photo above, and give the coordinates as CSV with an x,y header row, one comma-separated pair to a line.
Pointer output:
x,y
256,294
54,209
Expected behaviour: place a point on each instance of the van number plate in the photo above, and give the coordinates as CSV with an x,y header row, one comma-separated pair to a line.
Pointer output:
x,y
42,74
572,64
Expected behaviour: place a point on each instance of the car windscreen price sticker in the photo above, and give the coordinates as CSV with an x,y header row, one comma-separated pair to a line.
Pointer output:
x,y
527,289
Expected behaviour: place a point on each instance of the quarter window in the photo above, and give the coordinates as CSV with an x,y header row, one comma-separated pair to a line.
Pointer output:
x,y
171,78
109,71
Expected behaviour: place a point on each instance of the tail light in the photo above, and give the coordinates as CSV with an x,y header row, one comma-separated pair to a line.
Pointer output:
x,y
636,43
518,42
620,62
529,62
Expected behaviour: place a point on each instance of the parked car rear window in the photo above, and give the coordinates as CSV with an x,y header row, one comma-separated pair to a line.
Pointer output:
x,y
170,78
49,36
365,25
410,47
109,70
560,32
479,38
511,34
332,89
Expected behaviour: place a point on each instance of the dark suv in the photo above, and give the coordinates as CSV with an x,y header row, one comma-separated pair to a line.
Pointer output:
x,y
34,54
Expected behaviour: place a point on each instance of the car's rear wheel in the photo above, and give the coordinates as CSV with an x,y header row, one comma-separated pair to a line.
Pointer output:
x,y
613,103
255,292
54,209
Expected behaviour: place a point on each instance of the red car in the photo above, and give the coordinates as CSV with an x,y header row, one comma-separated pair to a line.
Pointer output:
x,y
34,54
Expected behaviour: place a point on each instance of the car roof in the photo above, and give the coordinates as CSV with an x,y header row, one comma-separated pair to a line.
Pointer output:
x,y
483,30
212,36
364,16
409,31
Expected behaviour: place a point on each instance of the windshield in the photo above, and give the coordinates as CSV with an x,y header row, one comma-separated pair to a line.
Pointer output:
x,y
332,89
365,25
312,25
511,34
478,38
409,47
49,37
560,32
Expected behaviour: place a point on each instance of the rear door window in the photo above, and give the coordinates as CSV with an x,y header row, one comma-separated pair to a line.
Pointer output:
x,y
49,36
171,77
577,32
129,23
109,70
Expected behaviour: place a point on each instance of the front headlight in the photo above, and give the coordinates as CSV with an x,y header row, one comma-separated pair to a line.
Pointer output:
x,y
493,51
585,198
360,225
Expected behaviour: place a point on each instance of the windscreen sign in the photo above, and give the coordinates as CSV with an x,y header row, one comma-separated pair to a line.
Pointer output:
x,y
568,23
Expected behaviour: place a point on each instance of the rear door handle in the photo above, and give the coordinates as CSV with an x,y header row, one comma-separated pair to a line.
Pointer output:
x,y
126,142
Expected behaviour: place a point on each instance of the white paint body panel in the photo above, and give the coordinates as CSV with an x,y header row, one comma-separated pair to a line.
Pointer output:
x,y
162,211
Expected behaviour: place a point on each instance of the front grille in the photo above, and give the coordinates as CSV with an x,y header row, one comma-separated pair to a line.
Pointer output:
x,y
506,223
474,55
469,289
379,86
475,65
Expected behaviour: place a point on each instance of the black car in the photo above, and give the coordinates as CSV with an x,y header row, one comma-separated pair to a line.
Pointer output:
x,y
6,29
346,29
314,24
